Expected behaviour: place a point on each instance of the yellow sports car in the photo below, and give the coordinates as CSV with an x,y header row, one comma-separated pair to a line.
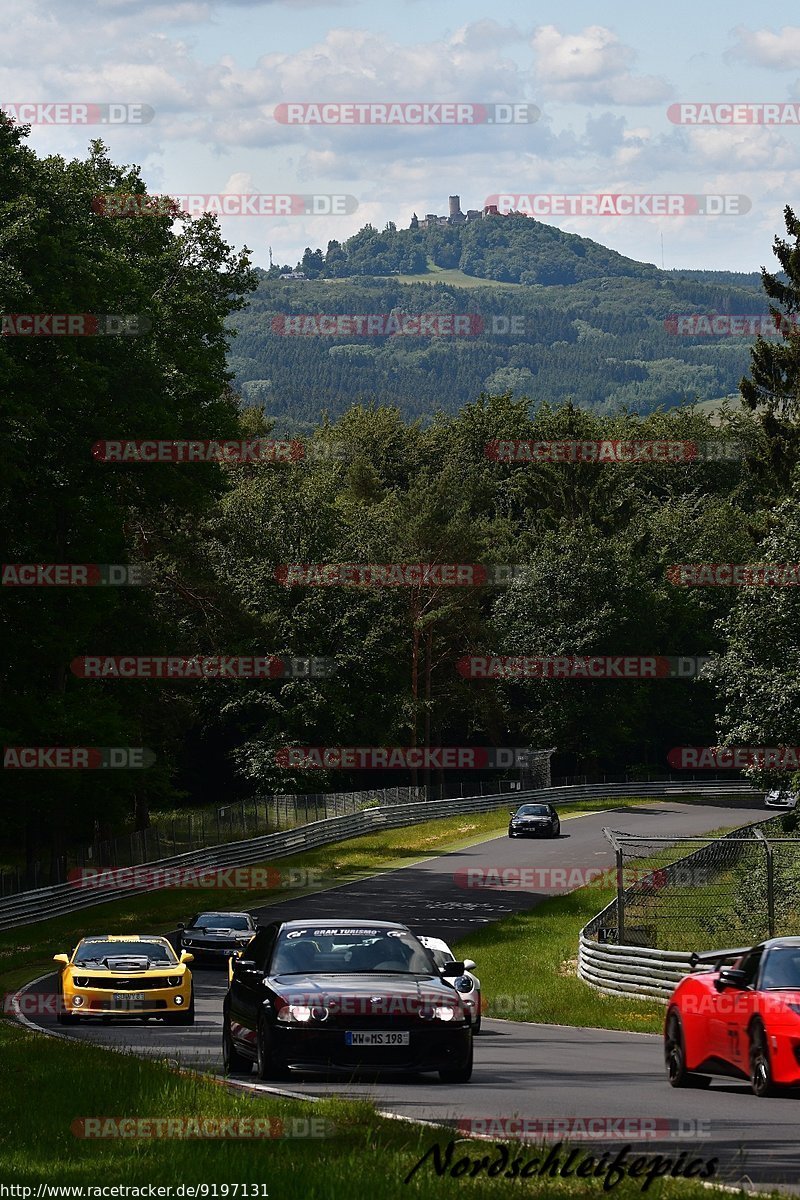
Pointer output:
x,y
125,975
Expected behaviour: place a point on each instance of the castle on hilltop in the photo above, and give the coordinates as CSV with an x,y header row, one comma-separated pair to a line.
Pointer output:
x,y
455,216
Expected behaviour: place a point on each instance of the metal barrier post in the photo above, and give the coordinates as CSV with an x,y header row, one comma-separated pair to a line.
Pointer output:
x,y
770,882
620,887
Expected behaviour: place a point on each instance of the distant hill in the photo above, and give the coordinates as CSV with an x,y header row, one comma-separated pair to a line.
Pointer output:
x,y
554,316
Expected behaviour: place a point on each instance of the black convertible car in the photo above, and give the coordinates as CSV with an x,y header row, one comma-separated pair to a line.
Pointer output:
x,y
344,995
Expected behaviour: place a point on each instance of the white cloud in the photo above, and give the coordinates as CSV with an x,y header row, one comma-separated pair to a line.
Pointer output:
x,y
592,66
765,48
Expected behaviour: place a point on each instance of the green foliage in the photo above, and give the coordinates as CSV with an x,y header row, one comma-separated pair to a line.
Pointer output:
x,y
58,505
602,342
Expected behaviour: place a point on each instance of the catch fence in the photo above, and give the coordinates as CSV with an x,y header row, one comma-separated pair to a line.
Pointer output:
x,y
701,892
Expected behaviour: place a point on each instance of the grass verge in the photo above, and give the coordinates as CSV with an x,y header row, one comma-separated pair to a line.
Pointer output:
x,y
51,1084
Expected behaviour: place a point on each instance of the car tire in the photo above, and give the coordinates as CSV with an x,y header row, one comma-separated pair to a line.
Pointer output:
x,y
675,1057
266,1066
65,1018
460,1074
761,1081
476,1028
233,1063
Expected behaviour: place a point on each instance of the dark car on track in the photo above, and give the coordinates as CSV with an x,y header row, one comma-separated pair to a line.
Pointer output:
x,y
534,820
327,994
740,1019
217,936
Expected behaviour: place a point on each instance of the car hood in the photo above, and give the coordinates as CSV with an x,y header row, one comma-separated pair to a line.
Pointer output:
x,y
220,934
364,986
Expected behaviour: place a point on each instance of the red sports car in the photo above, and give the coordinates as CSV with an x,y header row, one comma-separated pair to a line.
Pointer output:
x,y
740,1020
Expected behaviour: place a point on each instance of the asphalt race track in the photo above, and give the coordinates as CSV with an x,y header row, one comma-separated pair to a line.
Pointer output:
x,y
521,1070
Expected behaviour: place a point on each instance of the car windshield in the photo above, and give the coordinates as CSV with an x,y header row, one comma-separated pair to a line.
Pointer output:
x,y
350,951
533,810
782,969
99,951
214,920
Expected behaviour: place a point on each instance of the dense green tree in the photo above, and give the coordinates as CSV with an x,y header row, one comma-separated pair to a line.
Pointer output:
x,y
58,504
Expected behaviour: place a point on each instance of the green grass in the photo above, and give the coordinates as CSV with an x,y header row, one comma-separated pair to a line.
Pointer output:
x,y
450,275
49,1084
527,966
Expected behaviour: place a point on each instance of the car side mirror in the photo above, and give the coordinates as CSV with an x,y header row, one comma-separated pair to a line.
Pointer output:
x,y
186,957
454,969
181,926
469,964
246,966
61,959
730,977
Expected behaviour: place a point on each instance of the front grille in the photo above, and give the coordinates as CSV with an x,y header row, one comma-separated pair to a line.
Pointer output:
x,y
112,984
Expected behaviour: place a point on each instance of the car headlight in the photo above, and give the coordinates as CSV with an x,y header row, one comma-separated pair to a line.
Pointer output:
x,y
294,1014
443,1012
463,984
80,981
186,941
174,980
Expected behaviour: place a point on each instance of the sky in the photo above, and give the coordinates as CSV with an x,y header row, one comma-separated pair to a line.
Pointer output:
x,y
601,77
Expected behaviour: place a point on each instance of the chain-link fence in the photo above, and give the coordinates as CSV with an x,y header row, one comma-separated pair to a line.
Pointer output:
x,y
703,892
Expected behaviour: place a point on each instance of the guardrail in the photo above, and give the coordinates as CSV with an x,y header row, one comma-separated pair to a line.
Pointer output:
x,y
28,908
634,971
